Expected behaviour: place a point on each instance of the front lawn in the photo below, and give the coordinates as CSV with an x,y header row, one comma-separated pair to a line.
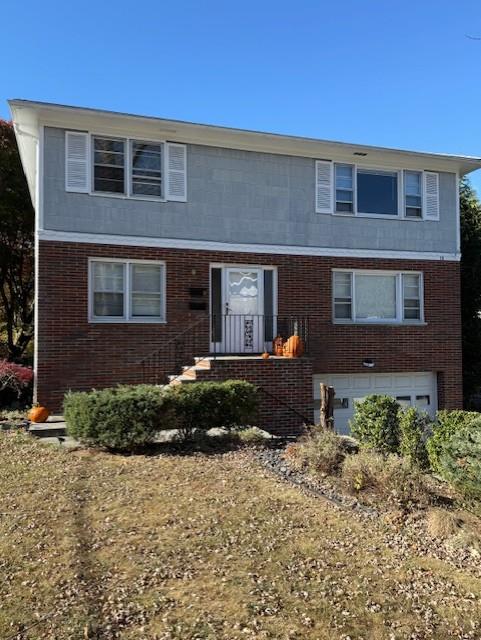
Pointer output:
x,y
94,545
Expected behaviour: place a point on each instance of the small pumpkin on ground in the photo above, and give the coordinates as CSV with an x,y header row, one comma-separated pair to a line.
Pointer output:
x,y
38,414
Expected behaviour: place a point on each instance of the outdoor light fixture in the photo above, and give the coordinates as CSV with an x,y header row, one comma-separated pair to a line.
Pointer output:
x,y
368,363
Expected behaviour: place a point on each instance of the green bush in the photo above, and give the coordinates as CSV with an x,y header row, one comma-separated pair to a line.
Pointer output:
x,y
414,427
122,418
208,405
447,423
460,460
125,418
376,423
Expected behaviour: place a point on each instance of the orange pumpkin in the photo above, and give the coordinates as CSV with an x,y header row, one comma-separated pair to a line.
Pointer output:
x,y
38,414
294,347
265,355
277,346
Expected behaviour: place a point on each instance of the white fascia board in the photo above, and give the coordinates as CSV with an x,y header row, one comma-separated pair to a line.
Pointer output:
x,y
128,125
205,245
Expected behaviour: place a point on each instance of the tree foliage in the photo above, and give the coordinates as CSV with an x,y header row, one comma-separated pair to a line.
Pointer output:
x,y
471,288
16,249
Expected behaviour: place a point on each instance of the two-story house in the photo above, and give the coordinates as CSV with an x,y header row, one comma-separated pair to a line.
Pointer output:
x,y
159,242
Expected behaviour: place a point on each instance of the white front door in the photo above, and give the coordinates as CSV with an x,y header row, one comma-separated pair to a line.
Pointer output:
x,y
243,320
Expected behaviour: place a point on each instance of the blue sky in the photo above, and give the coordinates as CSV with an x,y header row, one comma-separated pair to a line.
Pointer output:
x,y
367,71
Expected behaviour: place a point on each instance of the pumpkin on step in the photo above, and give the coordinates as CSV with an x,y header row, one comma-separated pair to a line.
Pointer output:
x,y
293,347
38,414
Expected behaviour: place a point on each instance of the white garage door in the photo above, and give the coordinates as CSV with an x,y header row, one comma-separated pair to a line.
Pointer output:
x,y
409,389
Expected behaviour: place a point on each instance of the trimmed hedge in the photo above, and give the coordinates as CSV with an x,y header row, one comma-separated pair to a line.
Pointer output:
x,y
122,418
414,427
376,423
447,424
460,460
208,405
127,417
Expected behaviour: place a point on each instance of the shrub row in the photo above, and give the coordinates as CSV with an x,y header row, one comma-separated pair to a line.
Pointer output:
x,y
450,445
127,417
380,424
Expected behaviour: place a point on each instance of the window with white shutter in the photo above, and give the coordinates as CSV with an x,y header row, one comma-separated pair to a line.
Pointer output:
x,y
431,195
77,162
176,169
324,186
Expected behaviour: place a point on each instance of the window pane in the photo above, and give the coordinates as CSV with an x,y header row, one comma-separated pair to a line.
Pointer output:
x,y
377,192
342,311
404,401
146,305
344,207
108,276
413,212
342,285
146,287
412,181
343,176
108,287
343,196
146,169
375,297
109,304
411,297
109,165
146,278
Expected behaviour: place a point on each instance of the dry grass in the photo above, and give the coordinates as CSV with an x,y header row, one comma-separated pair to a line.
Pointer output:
x,y
204,547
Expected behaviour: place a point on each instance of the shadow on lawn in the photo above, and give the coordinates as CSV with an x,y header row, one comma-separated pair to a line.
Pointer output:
x,y
204,444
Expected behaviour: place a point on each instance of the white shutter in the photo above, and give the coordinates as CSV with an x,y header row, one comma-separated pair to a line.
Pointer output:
x,y
431,195
77,162
324,188
176,170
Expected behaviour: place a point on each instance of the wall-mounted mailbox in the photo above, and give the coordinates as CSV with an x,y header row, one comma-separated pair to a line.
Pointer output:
x,y
198,298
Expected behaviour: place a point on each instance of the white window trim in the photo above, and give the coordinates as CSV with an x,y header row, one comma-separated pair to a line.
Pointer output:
x,y
399,320
127,195
401,214
127,317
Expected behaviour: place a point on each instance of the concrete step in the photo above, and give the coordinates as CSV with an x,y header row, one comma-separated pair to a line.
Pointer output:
x,y
182,379
203,363
54,427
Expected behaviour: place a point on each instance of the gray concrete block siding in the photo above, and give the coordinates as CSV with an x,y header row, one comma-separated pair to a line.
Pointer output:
x,y
240,196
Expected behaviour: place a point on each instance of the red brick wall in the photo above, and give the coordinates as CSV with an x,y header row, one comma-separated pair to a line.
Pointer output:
x,y
285,389
73,354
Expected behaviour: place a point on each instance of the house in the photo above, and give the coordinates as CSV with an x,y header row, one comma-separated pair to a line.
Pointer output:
x,y
172,248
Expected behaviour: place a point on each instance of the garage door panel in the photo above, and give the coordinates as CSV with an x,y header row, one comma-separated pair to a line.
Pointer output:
x,y
362,383
383,382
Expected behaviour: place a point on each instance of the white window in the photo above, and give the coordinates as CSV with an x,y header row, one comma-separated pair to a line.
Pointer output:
x,y
109,165
352,189
413,203
344,188
104,165
146,169
126,291
377,297
377,192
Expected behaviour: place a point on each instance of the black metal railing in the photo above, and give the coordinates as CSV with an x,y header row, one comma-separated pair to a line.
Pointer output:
x,y
227,334
243,334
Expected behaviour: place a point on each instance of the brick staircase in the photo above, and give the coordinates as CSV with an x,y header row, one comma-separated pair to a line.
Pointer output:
x,y
192,373
285,386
